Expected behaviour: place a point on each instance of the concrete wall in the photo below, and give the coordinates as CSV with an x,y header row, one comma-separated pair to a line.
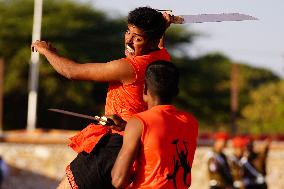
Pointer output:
x,y
34,166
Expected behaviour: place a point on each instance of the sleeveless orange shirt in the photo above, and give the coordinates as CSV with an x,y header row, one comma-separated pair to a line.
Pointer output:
x,y
126,100
123,100
169,141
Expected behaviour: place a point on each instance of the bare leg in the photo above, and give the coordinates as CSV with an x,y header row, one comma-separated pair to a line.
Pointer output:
x,y
64,184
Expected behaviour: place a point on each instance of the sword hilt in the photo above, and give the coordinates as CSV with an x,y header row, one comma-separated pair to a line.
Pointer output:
x,y
104,121
174,19
177,20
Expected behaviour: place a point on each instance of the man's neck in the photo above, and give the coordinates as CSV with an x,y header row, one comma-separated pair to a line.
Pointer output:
x,y
155,101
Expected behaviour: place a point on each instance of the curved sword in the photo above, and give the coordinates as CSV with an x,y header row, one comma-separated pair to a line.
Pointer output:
x,y
185,19
102,120
200,18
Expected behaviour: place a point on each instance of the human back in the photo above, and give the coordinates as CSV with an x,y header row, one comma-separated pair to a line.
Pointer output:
x,y
161,139
169,142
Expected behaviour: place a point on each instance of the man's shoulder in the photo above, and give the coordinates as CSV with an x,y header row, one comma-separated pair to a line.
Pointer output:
x,y
187,117
141,115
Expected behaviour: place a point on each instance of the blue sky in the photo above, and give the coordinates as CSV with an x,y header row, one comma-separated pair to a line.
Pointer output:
x,y
257,43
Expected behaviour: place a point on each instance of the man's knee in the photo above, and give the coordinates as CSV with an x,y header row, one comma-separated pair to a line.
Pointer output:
x,y
64,184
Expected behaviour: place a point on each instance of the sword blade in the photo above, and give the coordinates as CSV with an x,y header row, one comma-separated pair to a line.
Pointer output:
x,y
185,19
74,114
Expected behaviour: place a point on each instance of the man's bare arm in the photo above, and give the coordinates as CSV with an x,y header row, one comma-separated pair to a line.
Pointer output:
x,y
169,19
116,70
131,141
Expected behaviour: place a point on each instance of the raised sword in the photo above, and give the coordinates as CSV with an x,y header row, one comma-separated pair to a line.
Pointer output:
x,y
200,18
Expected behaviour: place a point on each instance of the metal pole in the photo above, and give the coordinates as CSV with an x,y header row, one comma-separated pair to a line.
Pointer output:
x,y
33,82
1,93
234,97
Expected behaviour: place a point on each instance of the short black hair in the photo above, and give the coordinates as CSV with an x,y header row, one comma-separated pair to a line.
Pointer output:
x,y
161,79
150,20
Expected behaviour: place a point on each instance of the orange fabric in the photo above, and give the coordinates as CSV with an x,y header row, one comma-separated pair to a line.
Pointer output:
x,y
169,140
87,139
126,100
123,100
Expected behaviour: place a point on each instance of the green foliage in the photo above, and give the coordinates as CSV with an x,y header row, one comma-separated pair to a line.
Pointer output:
x,y
205,88
251,79
79,32
177,37
265,113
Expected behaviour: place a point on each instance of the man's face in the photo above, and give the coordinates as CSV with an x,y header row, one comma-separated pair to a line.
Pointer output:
x,y
220,144
136,42
239,151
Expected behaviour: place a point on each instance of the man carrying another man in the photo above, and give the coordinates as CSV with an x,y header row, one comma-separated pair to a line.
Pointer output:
x,y
91,168
162,139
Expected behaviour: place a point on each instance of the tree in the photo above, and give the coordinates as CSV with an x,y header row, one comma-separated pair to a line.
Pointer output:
x,y
265,113
205,88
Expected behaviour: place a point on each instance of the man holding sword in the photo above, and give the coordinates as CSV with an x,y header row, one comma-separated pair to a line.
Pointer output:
x,y
98,146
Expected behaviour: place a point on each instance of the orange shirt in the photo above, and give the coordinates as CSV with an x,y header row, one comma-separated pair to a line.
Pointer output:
x,y
169,141
126,100
123,100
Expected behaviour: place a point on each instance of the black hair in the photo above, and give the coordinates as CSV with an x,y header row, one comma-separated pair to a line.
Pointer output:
x,y
151,21
161,79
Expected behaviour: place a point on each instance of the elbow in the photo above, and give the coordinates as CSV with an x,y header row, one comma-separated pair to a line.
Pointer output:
x,y
117,182
118,179
67,73
70,70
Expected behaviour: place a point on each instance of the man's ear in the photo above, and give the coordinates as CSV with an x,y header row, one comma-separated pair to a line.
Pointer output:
x,y
145,88
153,44
145,96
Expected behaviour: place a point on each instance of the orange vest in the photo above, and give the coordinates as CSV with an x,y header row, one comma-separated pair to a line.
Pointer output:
x,y
123,100
126,100
169,141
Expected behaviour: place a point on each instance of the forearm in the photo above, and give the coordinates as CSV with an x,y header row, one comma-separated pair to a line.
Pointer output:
x,y
116,70
121,172
162,42
112,71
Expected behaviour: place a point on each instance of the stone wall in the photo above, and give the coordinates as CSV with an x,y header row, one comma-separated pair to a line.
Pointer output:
x,y
34,166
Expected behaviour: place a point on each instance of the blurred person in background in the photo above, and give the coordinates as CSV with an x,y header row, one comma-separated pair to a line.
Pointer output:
x,y
235,161
220,176
4,171
254,165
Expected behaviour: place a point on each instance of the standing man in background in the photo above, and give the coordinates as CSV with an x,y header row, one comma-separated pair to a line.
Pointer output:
x,y
235,160
254,165
220,176
4,171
